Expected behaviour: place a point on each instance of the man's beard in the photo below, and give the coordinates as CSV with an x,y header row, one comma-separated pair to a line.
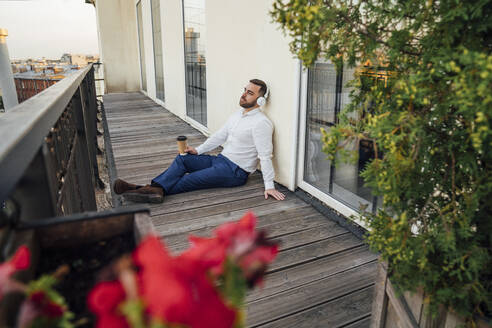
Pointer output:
x,y
248,105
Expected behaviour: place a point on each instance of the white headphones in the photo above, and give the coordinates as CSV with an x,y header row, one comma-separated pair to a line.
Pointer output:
x,y
261,101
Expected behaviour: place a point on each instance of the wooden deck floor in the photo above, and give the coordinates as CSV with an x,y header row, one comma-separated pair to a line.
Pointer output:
x,y
323,276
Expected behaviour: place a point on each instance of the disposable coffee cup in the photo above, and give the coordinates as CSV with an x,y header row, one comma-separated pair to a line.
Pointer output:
x,y
182,145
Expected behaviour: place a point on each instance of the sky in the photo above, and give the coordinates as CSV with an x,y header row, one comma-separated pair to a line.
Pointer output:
x,y
49,28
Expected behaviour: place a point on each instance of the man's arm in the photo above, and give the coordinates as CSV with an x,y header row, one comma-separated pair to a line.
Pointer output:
x,y
262,135
214,141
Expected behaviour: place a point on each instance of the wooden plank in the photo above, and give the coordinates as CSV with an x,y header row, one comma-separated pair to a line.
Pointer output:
x,y
392,320
289,233
205,203
155,139
314,251
415,302
310,236
380,301
310,295
365,322
180,225
254,182
292,277
336,313
274,223
401,308
230,206
143,226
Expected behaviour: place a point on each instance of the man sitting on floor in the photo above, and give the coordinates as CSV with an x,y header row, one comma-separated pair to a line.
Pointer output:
x,y
247,136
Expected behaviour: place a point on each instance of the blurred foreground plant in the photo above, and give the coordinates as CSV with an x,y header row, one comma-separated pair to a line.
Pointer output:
x,y
205,286
42,306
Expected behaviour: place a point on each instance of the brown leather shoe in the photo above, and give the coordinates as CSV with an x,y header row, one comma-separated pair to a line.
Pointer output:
x,y
147,194
120,186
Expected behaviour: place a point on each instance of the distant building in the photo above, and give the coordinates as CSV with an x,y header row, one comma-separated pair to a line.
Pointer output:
x,y
27,87
93,58
32,76
79,60
31,82
66,58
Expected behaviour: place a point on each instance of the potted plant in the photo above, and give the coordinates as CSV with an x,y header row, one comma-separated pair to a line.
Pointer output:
x,y
430,128
204,286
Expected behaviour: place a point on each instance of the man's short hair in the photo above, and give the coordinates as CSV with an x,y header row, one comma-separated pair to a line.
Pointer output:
x,y
261,84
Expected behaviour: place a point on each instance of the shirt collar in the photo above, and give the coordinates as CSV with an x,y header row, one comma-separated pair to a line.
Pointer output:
x,y
251,112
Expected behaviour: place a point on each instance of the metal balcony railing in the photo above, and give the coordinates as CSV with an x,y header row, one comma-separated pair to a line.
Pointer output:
x,y
48,148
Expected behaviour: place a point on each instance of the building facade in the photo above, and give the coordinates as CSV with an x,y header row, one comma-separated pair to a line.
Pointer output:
x,y
195,56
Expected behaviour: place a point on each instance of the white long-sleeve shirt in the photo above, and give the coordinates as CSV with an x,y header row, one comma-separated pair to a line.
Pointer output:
x,y
246,137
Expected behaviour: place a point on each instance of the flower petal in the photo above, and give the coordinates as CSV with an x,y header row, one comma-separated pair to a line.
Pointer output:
x,y
21,258
111,321
105,297
151,253
209,310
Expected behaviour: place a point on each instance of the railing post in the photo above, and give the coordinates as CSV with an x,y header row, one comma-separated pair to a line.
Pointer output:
x,y
90,114
83,154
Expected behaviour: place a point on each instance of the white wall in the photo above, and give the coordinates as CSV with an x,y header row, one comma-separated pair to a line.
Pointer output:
x,y
173,48
172,39
117,26
242,44
148,47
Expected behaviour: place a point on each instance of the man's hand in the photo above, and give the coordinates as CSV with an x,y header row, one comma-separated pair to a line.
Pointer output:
x,y
191,150
274,193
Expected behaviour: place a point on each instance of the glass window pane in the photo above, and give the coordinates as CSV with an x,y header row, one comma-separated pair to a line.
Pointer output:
x,y
320,114
327,95
141,47
158,55
348,185
195,62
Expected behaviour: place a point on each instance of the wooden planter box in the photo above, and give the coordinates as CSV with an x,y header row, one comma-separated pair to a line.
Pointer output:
x,y
70,231
407,310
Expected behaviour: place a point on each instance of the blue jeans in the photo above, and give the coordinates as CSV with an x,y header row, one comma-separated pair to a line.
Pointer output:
x,y
204,171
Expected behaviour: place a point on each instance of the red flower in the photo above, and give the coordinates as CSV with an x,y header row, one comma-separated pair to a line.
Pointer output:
x,y
260,256
103,300
248,247
45,305
165,294
238,236
204,254
37,305
239,241
21,258
209,310
105,297
151,253
231,239
19,261
177,290
111,321
254,264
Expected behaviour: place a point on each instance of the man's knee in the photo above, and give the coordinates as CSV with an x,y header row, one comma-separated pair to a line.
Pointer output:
x,y
180,158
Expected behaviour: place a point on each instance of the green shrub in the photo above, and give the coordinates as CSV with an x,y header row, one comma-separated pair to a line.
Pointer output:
x,y
431,130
